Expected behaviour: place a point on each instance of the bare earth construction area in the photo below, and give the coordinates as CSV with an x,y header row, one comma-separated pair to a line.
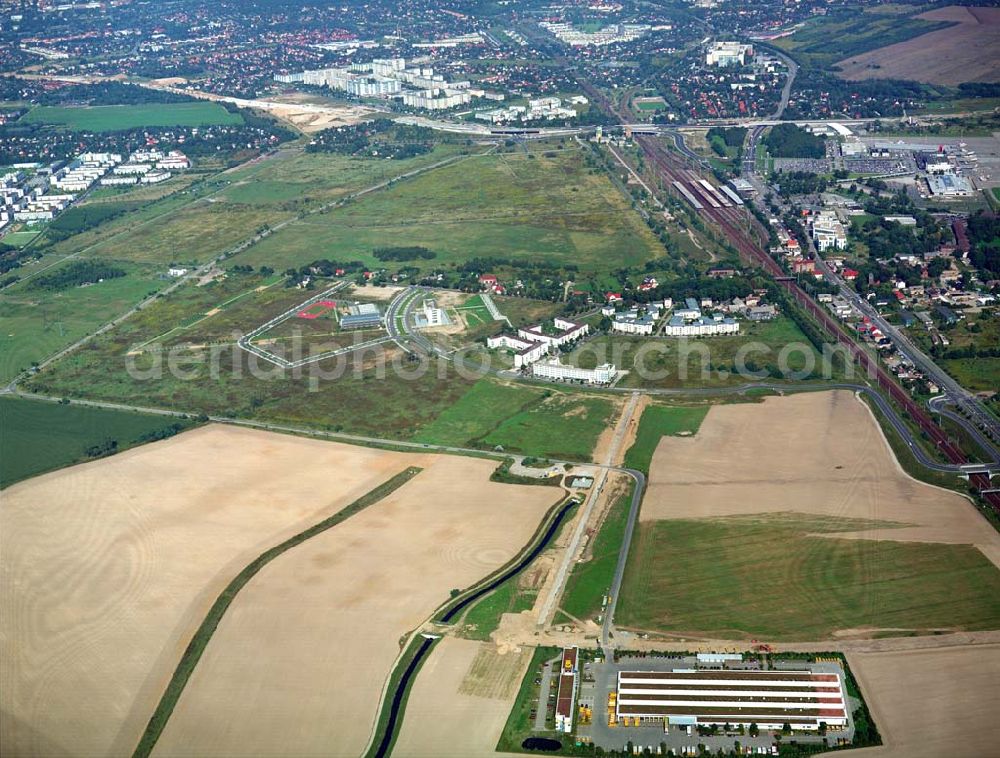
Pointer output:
x,y
103,585
966,52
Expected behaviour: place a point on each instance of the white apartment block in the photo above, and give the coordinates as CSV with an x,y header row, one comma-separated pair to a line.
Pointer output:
x,y
554,369
729,54
701,327
827,232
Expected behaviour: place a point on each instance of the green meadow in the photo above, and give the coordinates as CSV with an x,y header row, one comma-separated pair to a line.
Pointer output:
x,y
111,118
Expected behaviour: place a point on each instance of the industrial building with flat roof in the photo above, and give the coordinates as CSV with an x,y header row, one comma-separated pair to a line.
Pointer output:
x,y
770,699
566,696
362,316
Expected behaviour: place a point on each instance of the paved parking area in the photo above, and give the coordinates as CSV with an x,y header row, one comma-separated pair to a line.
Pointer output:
x,y
599,679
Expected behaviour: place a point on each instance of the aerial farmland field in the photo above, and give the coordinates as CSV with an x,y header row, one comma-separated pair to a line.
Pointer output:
x,y
855,533
383,570
111,582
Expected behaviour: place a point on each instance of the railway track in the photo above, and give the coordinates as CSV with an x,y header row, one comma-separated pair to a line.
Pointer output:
x,y
731,222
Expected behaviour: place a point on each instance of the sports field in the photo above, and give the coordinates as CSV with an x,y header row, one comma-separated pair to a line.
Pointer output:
x,y
308,682
18,239
931,703
511,205
36,437
111,118
745,508
460,701
103,585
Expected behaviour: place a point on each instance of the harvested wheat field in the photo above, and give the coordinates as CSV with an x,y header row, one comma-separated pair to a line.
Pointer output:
x,y
460,701
108,567
817,453
965,52
297,665
932,703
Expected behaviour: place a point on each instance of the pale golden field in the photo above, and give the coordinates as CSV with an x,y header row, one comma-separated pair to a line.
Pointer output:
x,y
819,453
298,663
108,567
965,52
460,701
932,703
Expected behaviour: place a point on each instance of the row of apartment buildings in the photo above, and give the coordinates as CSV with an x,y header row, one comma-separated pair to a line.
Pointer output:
x,y
416,86
533,345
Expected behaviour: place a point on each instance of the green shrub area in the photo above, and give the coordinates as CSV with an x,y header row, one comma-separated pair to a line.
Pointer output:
x,y
78,273
781,577
79,218
36,436
791,141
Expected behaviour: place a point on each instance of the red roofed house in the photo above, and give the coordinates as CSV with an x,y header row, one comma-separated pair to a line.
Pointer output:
x,y
850,274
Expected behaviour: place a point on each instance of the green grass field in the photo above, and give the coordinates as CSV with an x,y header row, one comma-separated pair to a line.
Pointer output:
x,y
708,362
484,617
110,118
37,323
560,426
769,577
511,205
590,580
659,421
521,419
37,436
19,239
370,396
975,374
478,412
474,312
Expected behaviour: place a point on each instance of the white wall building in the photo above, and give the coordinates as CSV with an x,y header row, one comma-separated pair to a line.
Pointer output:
x,y
554,369
729,54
